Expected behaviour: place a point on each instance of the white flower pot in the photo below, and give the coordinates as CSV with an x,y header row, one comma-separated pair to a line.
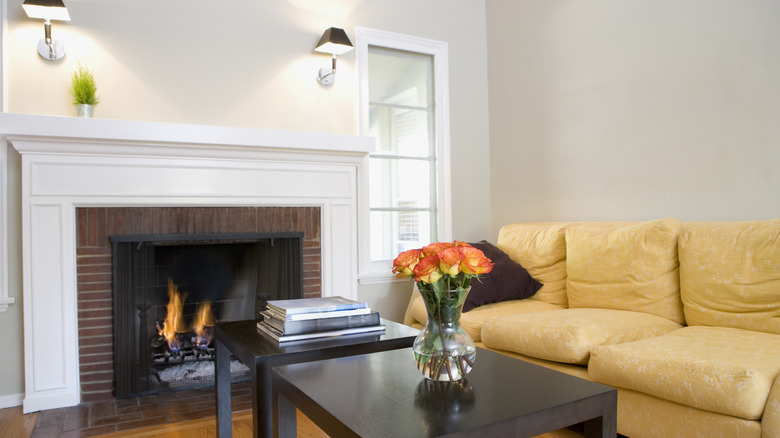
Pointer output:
x,y
84,110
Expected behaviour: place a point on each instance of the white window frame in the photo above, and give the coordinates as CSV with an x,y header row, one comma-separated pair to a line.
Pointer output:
x,y
372,272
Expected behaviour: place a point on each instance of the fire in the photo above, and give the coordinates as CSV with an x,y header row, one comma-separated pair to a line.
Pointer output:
x,y
173,327
203,319
174,322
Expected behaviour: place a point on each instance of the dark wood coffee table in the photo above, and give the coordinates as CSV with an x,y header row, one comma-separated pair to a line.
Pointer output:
x,y
384,395
260,353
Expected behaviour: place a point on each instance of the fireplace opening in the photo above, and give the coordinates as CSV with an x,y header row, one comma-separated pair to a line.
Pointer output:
x,y
170,290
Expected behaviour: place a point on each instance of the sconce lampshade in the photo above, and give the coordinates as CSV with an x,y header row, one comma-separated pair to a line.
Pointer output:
x,y
46,9
334,41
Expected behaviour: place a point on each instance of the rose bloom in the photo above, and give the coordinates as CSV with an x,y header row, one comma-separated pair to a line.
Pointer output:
x,y
449,260
459,243
434,248
474,262
403,265
427,270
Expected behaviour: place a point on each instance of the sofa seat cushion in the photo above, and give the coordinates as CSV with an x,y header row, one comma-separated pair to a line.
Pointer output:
x,y
632,267
730,274
472,321
718,369
569,335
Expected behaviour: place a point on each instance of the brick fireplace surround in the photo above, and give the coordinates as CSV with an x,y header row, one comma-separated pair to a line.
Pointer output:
x,y
71,168
94,266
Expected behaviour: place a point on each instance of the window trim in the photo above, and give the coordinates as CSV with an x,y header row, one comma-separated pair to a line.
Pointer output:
x,y
380,271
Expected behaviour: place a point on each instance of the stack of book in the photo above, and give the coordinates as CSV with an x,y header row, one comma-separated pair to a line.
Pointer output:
x,y
310,318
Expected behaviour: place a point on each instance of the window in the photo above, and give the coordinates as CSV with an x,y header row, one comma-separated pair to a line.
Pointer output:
x,y
404,106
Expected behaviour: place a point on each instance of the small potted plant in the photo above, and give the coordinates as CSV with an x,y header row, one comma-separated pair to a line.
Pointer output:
x,y
83,89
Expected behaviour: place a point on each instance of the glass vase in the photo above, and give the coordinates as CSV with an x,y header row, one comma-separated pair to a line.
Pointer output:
x,y
443,350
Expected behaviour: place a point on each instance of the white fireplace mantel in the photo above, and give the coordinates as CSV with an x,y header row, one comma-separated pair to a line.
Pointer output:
x,y
68,163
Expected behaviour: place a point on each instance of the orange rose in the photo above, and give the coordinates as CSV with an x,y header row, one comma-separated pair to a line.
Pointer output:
x,y
474,262
459,243
434,248
449,260
427,270
403,265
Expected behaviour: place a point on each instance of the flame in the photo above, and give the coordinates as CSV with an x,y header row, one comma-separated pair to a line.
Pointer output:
x,y
174,326
203,318
174,322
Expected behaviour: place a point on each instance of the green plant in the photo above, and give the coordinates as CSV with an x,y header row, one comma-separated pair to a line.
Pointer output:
x,y
83,88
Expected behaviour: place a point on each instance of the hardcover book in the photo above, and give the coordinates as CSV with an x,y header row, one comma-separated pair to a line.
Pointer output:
x,y
279,336
320,324
310,305
316,315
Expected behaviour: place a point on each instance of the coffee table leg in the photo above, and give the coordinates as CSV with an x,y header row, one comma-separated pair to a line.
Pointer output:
x,y
285,421
224,409
602,427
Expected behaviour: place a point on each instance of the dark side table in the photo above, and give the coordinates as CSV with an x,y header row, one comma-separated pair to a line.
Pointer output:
x,y
260,353
383,395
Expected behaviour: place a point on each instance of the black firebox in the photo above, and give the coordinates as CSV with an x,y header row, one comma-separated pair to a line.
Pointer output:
x,y
169,291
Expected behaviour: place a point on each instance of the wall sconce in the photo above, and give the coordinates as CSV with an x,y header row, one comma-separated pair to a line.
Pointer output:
x,y
335,42
48,10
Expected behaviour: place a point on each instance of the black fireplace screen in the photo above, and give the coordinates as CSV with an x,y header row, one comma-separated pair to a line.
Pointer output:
x,y
169,291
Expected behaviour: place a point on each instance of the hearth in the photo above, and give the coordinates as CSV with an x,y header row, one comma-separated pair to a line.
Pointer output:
x,y
170,290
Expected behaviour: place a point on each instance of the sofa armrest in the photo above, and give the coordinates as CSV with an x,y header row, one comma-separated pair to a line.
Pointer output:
x,y
409,318
770,421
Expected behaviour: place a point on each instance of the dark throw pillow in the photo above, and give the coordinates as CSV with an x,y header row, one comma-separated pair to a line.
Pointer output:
x,y
507,281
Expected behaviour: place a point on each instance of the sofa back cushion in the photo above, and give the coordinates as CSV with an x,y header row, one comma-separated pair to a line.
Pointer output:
x,y
541,249
625,267
730,274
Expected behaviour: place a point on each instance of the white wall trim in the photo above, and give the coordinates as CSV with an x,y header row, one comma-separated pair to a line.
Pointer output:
x,y
11,400
374,272
5,299
3,56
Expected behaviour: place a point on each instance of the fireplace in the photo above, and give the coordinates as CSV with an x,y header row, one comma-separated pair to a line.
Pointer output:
x,y
125,256
188,178
170,290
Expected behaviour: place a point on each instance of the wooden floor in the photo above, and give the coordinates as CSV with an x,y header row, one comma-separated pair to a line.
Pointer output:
x,y
13,424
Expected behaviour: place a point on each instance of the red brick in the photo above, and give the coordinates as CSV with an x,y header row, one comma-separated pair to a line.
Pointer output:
x,y
95,295
91,278
92,250
250,219
102,229
190,217
110,221
102,387
197,214
100,259
97,322
95,305
81,226
91,397
94,377
98,331
95,313
99,349
96,341
93,269
138,221
96,367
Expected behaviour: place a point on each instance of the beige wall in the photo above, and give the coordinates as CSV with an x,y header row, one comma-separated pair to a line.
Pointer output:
x,y
248,63
631,110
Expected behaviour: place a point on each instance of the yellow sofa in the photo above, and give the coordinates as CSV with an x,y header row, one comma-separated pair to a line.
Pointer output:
x,y
682,317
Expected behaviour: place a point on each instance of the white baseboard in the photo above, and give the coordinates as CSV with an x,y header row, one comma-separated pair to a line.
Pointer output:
x,y
9,401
